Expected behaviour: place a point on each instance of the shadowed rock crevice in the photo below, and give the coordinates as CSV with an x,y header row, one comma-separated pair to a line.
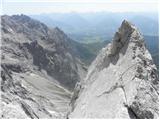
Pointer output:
x,y
28,110
132,115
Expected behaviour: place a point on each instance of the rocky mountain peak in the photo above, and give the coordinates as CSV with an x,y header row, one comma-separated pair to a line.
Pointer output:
x,y
39,71
127,25
57,29
21,17
127,32
122,82
22,24
127,36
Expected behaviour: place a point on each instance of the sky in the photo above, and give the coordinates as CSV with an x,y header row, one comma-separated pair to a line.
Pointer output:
x,y
62,6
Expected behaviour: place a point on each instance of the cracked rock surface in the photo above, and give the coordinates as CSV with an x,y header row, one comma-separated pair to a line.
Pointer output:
x,y
122,82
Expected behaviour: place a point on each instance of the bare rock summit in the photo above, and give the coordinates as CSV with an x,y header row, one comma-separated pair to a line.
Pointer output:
x,y
122,82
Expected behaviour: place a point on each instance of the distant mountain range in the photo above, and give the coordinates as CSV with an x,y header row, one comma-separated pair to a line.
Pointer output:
x,y
100,26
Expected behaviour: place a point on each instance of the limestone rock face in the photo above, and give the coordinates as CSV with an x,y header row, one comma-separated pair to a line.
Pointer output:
x,y
48,49
38,69
122,82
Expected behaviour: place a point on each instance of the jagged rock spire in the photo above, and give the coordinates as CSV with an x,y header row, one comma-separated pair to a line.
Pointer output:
x,y
121,82
125,33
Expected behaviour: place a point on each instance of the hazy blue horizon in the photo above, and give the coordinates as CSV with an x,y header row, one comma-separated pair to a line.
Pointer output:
x,y
30,7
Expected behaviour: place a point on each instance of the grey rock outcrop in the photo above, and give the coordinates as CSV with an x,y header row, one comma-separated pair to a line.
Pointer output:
x,y
122,82
38,69
48,49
